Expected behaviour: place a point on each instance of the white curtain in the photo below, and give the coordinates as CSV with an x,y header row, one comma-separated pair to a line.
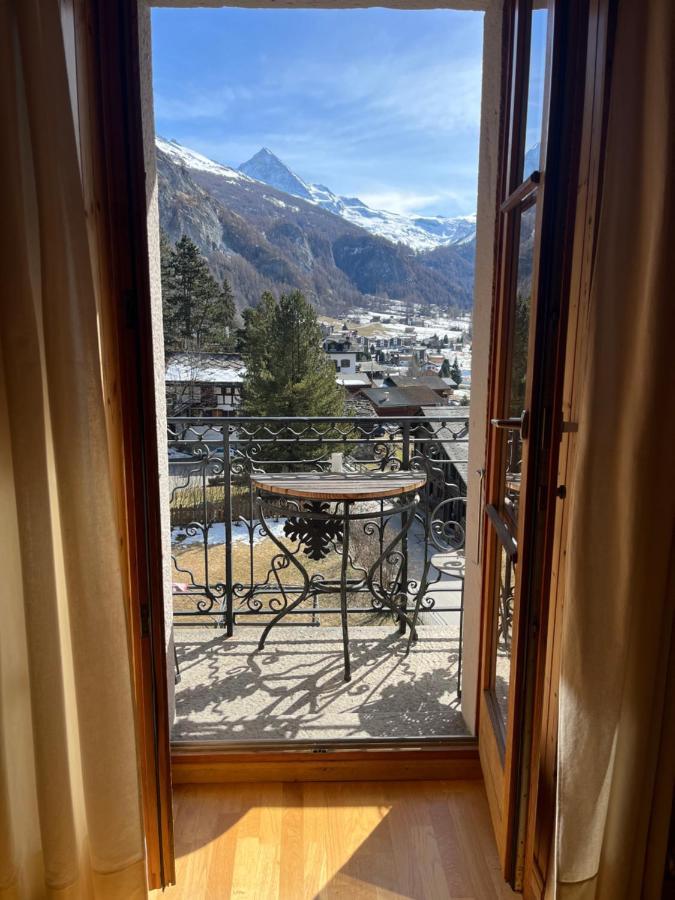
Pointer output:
x,y
70,819
617,747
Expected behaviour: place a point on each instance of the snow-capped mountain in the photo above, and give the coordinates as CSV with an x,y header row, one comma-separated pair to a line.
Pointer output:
x,y
262,238
266,167
183,156
417,232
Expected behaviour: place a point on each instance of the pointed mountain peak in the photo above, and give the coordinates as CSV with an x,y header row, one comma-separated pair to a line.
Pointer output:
x,y
265,166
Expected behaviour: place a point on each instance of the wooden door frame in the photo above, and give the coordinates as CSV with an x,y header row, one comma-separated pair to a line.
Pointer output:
x,y
108,61
110,42
578,83
499,756
107,71
543,762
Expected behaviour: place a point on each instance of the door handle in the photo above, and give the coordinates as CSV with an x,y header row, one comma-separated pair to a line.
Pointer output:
x,y
515,423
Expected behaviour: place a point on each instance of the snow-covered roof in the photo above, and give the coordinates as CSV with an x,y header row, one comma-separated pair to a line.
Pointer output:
x,y
211,368
453,434
358,379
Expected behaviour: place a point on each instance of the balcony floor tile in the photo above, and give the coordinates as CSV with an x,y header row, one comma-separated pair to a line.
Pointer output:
x,y
294,688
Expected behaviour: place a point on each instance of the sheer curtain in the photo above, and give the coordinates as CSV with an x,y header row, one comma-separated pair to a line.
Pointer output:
x,y
617,741
70,819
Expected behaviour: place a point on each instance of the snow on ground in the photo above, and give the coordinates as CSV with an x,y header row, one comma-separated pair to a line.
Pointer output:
x,y
216,534
369,323
436,324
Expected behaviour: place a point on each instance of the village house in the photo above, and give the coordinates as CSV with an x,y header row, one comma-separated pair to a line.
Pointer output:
x,y
376,370
401,401
353,382
341,349
428,380
199,384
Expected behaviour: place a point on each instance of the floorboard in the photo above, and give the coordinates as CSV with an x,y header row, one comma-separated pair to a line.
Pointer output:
x,y
325,840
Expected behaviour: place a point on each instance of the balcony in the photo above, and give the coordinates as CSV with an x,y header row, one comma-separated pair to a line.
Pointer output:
x,y
230,578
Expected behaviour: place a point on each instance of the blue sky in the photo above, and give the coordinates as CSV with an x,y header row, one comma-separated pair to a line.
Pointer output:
x,y
375,103
379,104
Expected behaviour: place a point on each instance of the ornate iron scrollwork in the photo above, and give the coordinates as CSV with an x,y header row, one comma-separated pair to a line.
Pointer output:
x,y
316,534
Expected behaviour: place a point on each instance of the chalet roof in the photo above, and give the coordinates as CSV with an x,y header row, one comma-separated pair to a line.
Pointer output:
x,y
383,397
368,365
340,349
388,397
453,434
430,380
353,380
205,368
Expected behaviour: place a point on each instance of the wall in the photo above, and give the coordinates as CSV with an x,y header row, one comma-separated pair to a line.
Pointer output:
x,y
145,46
483,298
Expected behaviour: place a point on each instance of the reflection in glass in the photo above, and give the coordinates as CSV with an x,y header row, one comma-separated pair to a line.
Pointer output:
x,y
517,376
503,626
535,91
521,312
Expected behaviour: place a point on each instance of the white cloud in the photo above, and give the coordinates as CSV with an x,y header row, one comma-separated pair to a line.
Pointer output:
x,y
396,125
196,103
400,201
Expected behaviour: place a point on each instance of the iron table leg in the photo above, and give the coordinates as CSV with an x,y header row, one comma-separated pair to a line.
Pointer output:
x,y
343,592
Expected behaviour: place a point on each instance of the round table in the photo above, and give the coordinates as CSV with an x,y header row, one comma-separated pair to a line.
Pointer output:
x,y
320,509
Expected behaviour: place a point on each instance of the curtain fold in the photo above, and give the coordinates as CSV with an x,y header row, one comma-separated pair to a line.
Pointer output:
x,y
616,749
70,815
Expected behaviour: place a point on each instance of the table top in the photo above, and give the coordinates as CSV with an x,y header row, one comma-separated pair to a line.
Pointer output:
x,y
340,486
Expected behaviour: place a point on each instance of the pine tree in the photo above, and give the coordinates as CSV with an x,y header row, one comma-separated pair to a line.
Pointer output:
x,y
288,373
456,373
445,369
198,312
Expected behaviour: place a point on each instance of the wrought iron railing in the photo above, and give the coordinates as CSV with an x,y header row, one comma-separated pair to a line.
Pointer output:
x,y
226,575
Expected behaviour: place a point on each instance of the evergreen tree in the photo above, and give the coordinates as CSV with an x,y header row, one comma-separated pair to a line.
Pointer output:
x,y
456,373
445,340
445,369
287,372
198,312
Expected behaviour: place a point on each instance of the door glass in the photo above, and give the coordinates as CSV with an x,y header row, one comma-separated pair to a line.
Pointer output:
x,y
521,312
535,91
512,453
520,327
503,624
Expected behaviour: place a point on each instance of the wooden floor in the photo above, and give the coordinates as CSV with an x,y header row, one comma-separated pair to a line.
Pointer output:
x,y
335,840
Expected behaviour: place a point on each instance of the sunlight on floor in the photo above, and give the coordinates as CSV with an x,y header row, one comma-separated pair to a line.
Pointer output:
x,y
323,840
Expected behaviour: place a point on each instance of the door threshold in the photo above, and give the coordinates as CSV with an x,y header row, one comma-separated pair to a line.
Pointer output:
x,y
413,761
295,746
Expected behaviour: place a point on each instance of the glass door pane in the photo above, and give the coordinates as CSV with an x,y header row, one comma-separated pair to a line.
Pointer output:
x,y
506,585
536,83
504,513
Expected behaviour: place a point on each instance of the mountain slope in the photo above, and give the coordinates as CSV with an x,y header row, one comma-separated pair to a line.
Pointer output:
x,y
261,238
417,232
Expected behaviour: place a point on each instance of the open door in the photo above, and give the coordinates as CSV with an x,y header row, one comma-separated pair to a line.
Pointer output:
x,y
539,152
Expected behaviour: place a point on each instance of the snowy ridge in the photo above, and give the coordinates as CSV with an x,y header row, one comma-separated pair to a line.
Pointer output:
x,y
420,233
417,232
183,156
